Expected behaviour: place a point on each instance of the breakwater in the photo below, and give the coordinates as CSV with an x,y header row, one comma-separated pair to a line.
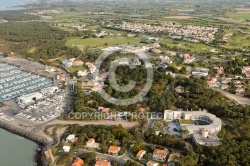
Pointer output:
x,y
24,133
41,141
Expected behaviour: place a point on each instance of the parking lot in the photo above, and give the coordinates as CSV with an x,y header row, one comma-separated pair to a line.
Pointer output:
x,y
42,110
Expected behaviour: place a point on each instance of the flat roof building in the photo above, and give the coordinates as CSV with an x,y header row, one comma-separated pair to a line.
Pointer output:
x,y
212,123
29,98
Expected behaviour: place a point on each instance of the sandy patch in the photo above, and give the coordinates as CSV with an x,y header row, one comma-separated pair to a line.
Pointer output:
x,y
230,20
243,9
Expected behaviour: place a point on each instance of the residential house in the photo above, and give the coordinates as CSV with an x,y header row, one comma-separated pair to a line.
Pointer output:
x,y
224,86
72,59
104,110
98,87
78,63
78,162
91,143
88,84
71,138
200,72
156,51
82,73
142,109
179,89
152,163
188,60
67,63
246,71
66,149
62,77
240,90
212,82
156,45
170,53
114,149
140,154
102,163
91,67
160,154
218,70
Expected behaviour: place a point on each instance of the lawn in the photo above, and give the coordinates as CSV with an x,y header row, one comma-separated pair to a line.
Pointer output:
x,y
100,42
183,121
238,41
75,68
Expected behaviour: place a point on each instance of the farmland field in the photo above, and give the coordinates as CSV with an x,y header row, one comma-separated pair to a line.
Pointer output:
x,y
238,15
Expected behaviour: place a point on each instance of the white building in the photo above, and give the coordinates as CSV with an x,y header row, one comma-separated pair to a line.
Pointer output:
x,y
212,123
91,143
200,72
67,63
29,98
82,73
70,137
66,149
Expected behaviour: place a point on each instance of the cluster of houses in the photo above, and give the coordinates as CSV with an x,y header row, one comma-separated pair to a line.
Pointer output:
x,y
80,162
72,62
187,58
246,71
41,12
206,34
158,154
226,36
102,33
238,85
71,25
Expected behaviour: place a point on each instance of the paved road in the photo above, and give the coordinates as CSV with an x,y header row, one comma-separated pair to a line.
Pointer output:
x,y
150,122
239,99
167,90
125,124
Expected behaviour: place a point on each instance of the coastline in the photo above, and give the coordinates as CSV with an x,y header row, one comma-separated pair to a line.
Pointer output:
x,y
41,142
24,5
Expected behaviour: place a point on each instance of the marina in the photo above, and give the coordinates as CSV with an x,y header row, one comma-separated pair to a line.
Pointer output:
x,y
14,82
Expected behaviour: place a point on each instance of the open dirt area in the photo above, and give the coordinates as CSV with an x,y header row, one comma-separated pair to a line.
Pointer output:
x,y
245,10
230,20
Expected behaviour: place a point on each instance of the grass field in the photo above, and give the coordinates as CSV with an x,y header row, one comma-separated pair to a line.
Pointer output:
x,y
75,68
238,41
198,48
238,15
100,42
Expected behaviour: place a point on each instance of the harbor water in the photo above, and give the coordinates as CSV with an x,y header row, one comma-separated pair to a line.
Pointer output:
x,y
16,150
